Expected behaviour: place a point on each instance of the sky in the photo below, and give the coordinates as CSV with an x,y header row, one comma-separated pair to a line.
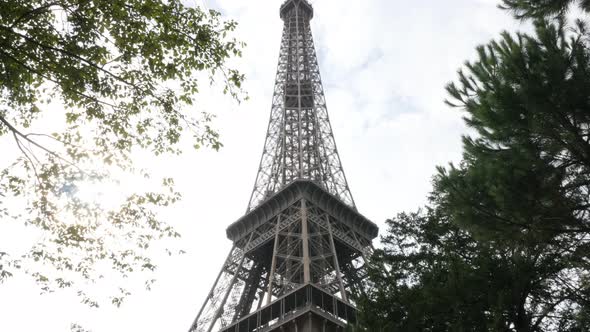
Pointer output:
x,y
384,65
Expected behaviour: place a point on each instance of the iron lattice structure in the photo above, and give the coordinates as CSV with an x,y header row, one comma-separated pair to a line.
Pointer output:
x,y
299,143
301,249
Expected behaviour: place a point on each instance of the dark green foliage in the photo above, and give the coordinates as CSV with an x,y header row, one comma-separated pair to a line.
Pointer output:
x,y
109,77
543,8
433,276
525,180
527,174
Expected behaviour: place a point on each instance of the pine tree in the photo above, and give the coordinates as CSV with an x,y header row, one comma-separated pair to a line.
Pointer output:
x,y
504,244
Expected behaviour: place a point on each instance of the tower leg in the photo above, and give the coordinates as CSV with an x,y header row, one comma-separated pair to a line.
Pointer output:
x,y
336,264
249,293
210,296
305,244
216,306
274,261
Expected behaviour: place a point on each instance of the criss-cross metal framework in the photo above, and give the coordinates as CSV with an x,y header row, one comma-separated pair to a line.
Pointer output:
x,y
302,248
299,143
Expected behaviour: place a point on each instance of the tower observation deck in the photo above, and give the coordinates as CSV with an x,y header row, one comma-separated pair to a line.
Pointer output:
x,y
301,249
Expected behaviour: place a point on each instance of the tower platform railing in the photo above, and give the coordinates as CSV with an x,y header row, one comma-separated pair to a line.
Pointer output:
x,y
307,299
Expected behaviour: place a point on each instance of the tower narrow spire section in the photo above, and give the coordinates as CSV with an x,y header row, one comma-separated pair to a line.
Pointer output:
x,y
300,143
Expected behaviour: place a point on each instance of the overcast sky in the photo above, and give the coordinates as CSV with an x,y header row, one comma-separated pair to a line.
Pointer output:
x,y
384,65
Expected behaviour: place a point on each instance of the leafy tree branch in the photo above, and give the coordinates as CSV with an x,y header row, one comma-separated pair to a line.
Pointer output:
x,y
109,77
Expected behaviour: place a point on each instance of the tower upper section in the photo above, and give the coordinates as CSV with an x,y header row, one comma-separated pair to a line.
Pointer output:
x,y
305,9
299,144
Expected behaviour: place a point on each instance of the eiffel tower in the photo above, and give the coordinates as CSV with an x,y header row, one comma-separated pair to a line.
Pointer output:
x,y
301,249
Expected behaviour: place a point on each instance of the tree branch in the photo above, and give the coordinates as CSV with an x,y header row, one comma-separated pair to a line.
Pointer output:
x,y
34,11
16,132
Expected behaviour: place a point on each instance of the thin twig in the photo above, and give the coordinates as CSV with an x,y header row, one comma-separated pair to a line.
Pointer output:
x,y
53,138
28,148
18,144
